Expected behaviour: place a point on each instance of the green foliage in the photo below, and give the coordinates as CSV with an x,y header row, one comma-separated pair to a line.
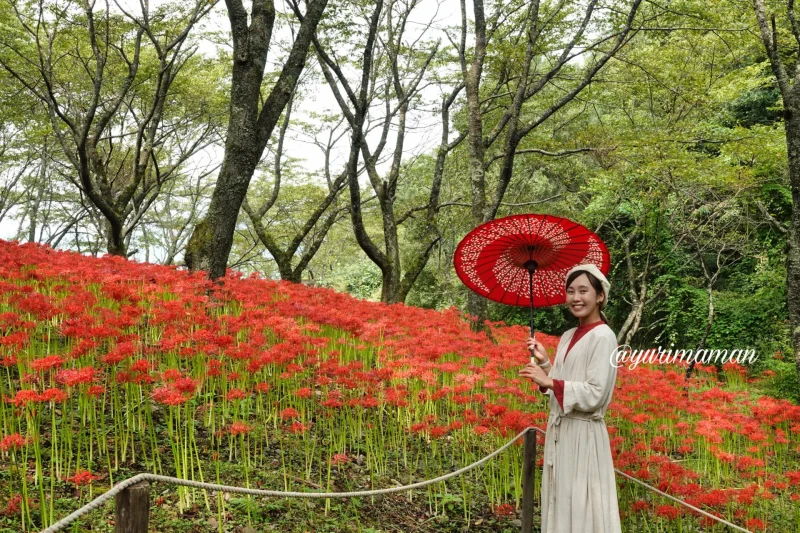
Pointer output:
x,y
757,106
362,279
427,291
784,383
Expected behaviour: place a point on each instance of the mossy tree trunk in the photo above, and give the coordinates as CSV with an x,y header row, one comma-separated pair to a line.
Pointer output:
x,y
249,128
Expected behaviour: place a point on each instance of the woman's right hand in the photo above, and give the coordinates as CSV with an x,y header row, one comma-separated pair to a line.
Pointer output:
x,y
538,350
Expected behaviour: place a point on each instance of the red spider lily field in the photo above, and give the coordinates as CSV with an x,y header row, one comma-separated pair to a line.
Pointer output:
x,y
111,367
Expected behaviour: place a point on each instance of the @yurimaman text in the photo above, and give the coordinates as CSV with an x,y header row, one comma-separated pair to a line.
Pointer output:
x,y
624,354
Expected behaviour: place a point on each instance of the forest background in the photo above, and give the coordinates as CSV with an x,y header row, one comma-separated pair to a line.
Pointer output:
x,y
363,147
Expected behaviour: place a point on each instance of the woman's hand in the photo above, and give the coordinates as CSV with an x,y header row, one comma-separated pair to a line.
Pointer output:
x,y
537,375
538,350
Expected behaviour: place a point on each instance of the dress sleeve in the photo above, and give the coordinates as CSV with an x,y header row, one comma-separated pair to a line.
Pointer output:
x,y
558,390
545,390
589,395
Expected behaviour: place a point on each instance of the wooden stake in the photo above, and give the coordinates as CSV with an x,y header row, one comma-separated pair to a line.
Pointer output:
x,y
132,509
528,480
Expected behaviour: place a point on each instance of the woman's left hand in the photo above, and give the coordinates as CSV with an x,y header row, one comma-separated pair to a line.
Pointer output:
x,y
537,375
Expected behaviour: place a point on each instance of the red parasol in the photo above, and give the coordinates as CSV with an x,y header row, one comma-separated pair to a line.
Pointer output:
x,y
524,259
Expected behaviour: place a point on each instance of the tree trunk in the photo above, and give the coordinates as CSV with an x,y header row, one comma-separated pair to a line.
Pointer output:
x,y
248,129
40,189
476,305
115,243
709,322
792,126
628,328
212,239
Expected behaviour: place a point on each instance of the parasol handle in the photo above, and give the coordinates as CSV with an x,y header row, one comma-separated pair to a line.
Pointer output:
x,y
531,266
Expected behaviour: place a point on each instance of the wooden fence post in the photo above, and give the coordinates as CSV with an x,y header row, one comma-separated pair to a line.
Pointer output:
x,y
528,480
132,509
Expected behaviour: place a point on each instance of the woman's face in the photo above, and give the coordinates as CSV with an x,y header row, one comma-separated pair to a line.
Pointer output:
x,y
582,299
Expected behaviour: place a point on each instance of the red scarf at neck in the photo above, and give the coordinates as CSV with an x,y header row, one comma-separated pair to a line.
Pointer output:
x,y
558,384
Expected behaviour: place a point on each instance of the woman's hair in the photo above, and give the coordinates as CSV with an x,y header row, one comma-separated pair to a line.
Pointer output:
x,y
598,287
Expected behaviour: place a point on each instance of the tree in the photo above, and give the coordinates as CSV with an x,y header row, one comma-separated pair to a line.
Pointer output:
x,y
106,82
787,75
303,237
167,226
392,71
249,128
520,77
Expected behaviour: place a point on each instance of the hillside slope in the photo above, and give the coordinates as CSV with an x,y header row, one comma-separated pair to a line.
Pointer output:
x,y
112,367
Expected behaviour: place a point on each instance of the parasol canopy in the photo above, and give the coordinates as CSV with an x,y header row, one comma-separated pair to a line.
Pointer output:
x,y
523,260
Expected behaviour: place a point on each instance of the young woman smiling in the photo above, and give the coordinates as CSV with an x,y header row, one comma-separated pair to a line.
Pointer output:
x,y
579,491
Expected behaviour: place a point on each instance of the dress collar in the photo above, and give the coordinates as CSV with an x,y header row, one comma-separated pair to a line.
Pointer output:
x,y
587,327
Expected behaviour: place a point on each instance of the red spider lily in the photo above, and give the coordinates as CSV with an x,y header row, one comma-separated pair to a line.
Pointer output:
x,y
332,403
17,340
369,402
83,347
185,385
169,396
53,395
24,397
46,363
82,477
141,365
495,410
246,329
304,392
669,512
10,320
12,442
504,509
239,428
96,390
455,425
171,374
289,412
35,304
236,394
640,505
339,459
299,427
80,376
30,378
121,352
437,432
215,367
13,505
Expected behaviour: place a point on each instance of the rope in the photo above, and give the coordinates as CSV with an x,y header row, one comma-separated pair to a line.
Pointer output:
x,y
673,498
692,507
122,485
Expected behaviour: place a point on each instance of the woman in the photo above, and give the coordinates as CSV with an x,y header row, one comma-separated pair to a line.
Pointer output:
x,y
579,492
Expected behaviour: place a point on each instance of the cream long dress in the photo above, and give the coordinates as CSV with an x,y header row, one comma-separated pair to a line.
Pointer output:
x,y
579,491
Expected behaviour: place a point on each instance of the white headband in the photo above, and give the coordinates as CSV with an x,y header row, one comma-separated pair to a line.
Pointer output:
x,y
592,269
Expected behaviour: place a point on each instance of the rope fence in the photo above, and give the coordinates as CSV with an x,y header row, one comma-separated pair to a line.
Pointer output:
x,y
132,509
